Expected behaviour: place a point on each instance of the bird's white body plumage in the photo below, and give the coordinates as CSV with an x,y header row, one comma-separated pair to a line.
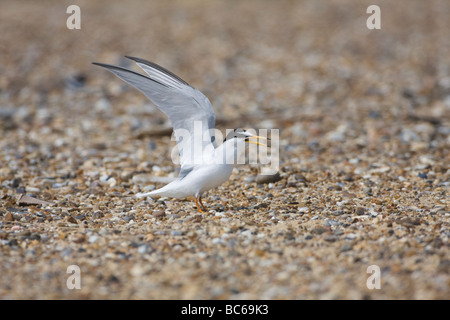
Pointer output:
x,y
204,165
198,181
208,175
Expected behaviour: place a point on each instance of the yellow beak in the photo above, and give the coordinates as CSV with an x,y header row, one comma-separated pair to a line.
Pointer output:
x,y
256,142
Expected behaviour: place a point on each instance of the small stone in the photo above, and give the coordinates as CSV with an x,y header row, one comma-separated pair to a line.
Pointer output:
x,y
126,174
15,183
78,238
408,222
300,177
98,214
66,252
35,236
330,238
250,179
104,178
360,211
268,178
20,190
158,214
102,105
32,189
27,200
149,237
71,219
346,247
93,239
422,166
422,175
331,222
303,209
319,230
217,241
145,178
149,188
8,217
128,217
350,236
13,243
112,182
444,266
145,248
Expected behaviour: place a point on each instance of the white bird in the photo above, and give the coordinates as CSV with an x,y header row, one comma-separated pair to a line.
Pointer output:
x,y
204,165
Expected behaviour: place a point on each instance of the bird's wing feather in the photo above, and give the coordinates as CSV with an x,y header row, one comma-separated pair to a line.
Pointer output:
x,y
157,72
186,107
185,170
166,77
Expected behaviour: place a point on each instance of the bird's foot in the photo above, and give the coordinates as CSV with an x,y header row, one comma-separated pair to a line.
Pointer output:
x,y
200,207
201,203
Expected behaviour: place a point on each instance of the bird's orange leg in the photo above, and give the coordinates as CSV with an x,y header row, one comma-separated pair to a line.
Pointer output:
x,y
198,206
201,203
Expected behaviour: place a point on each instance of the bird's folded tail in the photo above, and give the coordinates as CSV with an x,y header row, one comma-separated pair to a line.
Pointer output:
x,y
144,195
157,193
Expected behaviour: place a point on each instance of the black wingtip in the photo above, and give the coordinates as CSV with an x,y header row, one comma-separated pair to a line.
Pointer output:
x,y
116,69
132,58
110,66
157,67
140,60
104,65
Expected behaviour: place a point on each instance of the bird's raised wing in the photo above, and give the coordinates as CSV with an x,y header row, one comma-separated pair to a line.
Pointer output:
x,y
189,111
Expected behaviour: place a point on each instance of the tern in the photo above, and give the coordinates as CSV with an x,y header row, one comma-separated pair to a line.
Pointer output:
x,y
204,164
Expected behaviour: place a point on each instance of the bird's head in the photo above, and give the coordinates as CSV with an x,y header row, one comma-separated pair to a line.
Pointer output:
x,y
245,136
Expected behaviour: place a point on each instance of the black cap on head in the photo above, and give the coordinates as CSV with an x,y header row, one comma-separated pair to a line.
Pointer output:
x,y
235,134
